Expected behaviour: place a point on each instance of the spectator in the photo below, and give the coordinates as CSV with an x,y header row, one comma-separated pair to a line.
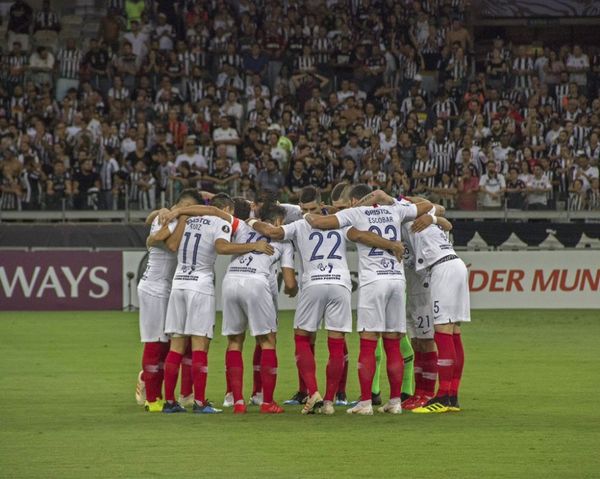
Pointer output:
x,y
515,190
190,155
297,179
271,179
492,185
86,185
20,18
468,187
58,187
577,197
538,189
46,19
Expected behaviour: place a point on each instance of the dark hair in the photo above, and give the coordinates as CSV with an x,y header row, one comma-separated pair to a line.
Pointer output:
x,y
338,190
270,212
191,193
360,191
222,200
309,194
267,196
241,208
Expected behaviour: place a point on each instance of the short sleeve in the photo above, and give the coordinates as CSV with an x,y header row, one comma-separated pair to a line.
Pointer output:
x,y
222,230
345,231
287,256
347,217
172,226
290,231
482,181
406,210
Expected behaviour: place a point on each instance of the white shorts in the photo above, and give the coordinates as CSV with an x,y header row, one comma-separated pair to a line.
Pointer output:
x,y
450,292
381,307
247,304
153,312
419,312
190,313
328,302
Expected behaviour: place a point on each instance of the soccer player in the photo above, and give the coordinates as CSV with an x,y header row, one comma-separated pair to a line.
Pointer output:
x,y
381,293
419,315
324,296
154,289
191,308
248,304
450,302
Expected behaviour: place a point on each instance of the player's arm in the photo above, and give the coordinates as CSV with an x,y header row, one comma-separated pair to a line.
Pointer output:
x,y
378,196
199,210
289,281
173,241
426,220
375,241
327,222
439,209
268,230
225,247
153,214
160,236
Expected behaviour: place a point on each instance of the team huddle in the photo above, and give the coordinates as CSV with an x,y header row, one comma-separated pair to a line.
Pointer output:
x,y
410,278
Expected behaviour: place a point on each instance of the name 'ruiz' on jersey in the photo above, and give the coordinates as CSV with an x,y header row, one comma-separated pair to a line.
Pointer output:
x,y
375,264
161,265
423,249
259,265
197,254
323,254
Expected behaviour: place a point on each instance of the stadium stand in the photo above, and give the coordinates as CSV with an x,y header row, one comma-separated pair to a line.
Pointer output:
x,y
119,107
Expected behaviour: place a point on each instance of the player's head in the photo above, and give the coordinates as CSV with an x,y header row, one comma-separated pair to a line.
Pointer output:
x,y
224,202
358,192
310,200
188,197
340,196
272,213
241,208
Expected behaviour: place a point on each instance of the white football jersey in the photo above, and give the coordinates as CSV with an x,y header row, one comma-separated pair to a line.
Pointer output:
x,y
292,213
423,249
259,265
158,276
323,254
385,221
197,254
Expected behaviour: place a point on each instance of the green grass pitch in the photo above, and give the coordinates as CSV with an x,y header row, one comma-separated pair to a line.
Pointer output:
x,y
529,409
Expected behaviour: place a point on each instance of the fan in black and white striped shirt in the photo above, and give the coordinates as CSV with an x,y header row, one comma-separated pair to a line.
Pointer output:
x,y
441,152
522,69
46,19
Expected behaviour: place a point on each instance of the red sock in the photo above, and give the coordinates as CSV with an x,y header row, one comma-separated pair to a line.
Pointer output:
x,y
395,366
458,365
234,371
256,365
186,374
268,371
335,366
172,363
199,374
446,360
418,368
344,379
164,350
151,367
366,367
430,373
305,361
301,385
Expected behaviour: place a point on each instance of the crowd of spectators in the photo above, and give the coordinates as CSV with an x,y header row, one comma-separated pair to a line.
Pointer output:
x,y
250,96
